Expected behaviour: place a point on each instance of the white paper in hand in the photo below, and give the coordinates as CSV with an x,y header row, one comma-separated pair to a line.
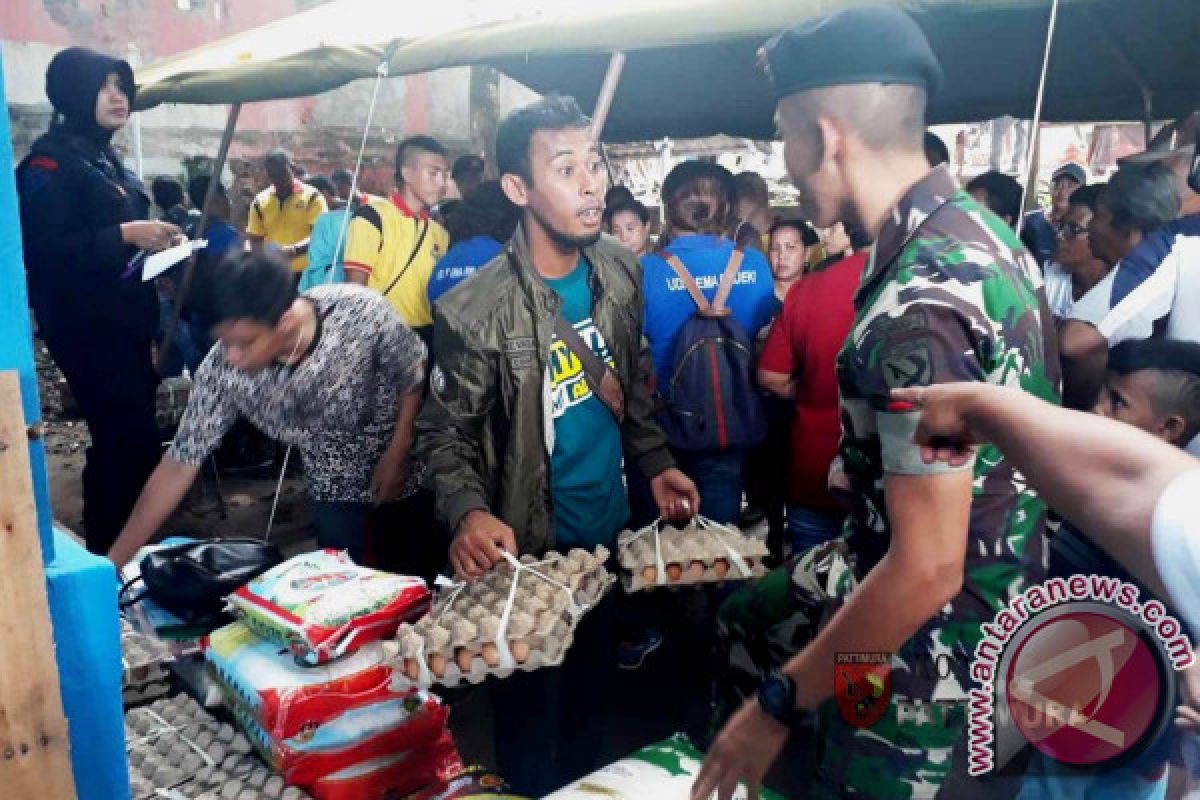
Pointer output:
x,y
160,262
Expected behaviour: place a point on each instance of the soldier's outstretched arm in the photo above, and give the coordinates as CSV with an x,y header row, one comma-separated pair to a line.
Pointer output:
x,y
1105,476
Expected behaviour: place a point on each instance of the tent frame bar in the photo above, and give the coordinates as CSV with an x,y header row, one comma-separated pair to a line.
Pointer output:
x,y
612,77
1128,67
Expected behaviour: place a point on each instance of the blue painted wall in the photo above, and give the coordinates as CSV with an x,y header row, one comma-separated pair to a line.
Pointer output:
x,y
81,587
16,343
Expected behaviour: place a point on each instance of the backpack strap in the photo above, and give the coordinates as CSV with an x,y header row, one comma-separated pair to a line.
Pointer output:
x,y
598,374
727,279
689,282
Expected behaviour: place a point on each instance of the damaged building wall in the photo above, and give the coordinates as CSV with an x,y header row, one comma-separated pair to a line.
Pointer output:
x,y
322,132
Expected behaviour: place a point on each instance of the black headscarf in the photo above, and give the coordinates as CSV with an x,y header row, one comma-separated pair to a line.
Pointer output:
x,y
74,80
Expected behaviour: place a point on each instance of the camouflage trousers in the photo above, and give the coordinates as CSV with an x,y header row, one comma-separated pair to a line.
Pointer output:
x,y
911,751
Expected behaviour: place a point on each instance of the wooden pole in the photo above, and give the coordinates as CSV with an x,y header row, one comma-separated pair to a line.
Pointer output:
x,y
607,89
34,750
215,179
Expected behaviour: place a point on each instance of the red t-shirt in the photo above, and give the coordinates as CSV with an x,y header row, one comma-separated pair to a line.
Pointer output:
x,y
804,342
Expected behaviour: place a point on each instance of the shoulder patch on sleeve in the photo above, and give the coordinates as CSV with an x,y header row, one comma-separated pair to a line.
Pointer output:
x,y
907,363
43,162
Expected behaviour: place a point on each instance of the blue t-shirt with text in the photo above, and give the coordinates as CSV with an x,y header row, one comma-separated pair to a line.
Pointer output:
x,y
461,261
590,504
668,306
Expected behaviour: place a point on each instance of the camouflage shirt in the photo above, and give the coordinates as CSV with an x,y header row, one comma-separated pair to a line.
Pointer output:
x,y
949,295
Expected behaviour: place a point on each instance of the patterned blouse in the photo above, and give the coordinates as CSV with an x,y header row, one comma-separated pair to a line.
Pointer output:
x,y
337,407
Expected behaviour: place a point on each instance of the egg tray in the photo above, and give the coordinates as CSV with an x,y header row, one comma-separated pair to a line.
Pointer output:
x,y
459,641
134,696
176,749
662,556
144,659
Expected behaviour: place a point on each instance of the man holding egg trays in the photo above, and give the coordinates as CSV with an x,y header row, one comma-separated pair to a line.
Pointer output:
x,y
526,431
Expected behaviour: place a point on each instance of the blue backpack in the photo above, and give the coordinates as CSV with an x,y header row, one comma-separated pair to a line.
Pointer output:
x,y
711,402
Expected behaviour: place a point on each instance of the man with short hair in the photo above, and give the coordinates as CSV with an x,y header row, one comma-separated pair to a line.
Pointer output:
x,y
949,295
524,445
1074,269
284,213
331,372
1156,287
1137,202
468,173
392,244
1039,231
219,232
935,150
168,196
1000,193
343,183
753,209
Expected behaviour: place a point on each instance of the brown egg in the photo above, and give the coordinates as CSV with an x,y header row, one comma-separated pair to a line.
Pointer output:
x,y
464,659
412,669
696,571
519,650
491,654
650,574
437,664
674,572
721,567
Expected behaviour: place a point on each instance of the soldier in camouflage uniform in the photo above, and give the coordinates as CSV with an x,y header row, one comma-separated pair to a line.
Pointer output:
x,y
949,295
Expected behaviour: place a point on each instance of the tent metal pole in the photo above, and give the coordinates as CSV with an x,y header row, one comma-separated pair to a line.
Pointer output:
x,y
607,89
1036,122
215,179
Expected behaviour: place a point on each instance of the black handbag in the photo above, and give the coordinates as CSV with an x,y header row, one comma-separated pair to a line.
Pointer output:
x,y
193,579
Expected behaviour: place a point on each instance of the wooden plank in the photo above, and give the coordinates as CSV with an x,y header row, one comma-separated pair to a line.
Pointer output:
x,y
35,761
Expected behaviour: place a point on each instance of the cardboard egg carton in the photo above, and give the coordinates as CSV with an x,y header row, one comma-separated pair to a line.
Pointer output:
x,y
513,618
144,660
176,749
661,555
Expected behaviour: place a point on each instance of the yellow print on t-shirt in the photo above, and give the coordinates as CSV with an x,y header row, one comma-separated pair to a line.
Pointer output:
x,y
568,387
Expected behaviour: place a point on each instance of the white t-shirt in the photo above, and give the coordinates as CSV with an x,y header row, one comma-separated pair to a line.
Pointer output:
x,y
1059,291
1175,541
1172,290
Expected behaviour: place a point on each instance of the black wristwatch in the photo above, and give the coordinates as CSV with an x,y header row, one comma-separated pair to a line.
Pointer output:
x,y
777,697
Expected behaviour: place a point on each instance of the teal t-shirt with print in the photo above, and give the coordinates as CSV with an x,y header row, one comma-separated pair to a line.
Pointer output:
x,y
590,504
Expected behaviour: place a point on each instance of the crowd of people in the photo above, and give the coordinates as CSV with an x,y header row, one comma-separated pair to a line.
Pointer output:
x,y
875,375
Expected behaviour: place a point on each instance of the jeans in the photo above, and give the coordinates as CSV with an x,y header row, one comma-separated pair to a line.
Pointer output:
x,y
719,478
808,527
342,525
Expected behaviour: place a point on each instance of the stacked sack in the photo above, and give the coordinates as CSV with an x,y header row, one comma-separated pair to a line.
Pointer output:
x,y
305,674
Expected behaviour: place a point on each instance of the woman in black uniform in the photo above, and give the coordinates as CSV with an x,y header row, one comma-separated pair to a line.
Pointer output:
x,y
84,218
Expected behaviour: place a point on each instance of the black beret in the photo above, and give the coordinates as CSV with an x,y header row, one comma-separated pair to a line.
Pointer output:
x,y
864,44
